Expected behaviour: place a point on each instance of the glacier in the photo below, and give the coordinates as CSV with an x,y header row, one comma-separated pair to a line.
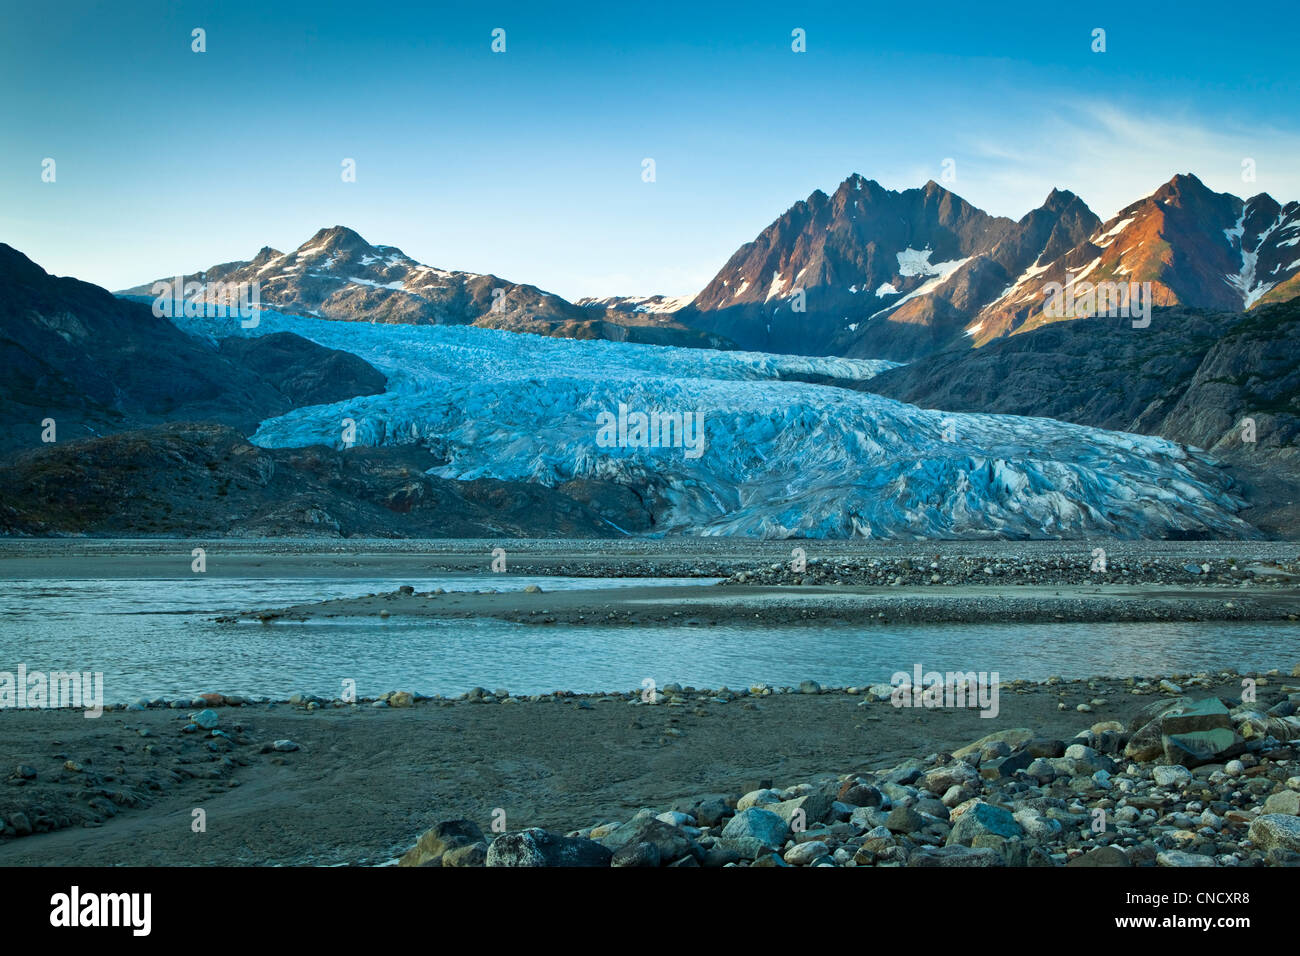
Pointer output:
x,y
783,458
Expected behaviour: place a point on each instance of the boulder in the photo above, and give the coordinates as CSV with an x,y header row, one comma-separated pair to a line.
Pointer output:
x,y
475,854
440,838
670,842
1013,737
1183,858
1175,777
1286,802
1154,711
857,794
1147,743
941,779
636,854
537,847
977,818
1276,830
1196,716
816,808
758,798
803,854
1101,856
953,855
755,830
1202,746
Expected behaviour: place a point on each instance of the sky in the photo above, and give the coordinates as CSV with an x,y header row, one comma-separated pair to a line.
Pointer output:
x,y
528,163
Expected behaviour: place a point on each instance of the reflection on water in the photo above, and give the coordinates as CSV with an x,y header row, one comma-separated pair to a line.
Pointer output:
x,y
157,638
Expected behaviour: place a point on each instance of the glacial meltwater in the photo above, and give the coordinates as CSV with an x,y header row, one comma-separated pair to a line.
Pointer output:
x,y
154,638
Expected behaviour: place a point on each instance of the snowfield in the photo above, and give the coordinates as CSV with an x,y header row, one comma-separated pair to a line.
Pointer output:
x,y
782,458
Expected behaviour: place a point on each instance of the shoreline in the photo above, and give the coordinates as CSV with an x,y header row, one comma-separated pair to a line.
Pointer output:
x,y
783,605
121,789
325,782
1067,561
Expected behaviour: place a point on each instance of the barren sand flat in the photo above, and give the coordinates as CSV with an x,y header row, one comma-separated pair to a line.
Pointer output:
x,y
768,606
367,781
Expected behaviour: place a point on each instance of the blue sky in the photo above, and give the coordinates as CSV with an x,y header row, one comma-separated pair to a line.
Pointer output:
x,y
528,163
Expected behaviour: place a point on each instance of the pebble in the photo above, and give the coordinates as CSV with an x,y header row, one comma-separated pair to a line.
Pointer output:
x,y
1172,777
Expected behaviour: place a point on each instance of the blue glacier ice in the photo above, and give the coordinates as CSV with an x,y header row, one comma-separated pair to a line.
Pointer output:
x,y
782,458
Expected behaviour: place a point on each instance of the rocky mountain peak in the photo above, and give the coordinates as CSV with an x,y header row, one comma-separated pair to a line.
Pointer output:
x,y
1181,190
1059,199
333,241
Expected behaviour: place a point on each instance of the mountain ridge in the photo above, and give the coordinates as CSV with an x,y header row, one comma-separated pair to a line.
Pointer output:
x,y
336,274
95,363
901,274
861,272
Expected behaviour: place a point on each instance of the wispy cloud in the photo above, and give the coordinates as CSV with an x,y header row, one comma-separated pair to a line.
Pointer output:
x,y
1111,156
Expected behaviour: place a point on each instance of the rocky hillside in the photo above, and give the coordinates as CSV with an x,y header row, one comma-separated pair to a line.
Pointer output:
x,y
336,274
94,363
186,479
1196,247
1194,376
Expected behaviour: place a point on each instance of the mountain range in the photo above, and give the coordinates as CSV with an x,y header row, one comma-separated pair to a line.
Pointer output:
x,y
1058,428
336,274
899,275
865,272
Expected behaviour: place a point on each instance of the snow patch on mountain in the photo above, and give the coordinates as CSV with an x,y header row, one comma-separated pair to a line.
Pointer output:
x,y
396,286
916,262
775,288
1244,281
650,304
1086,269
1109,236
941,271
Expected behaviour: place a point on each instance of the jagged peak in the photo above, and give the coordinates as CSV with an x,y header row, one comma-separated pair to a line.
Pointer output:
x,y
265,254
1181,184
856,181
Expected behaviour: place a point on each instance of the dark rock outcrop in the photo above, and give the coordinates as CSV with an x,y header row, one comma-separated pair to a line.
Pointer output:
x,y
96,364
1193,376
200,479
